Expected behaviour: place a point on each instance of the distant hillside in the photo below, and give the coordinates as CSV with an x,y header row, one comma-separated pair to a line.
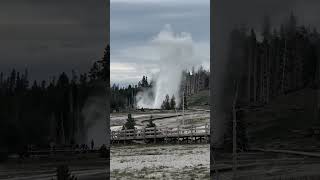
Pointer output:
x,y
286,120
199,100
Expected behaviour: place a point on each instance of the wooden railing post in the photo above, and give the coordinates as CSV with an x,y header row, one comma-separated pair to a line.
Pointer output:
x,y
206,127
134,133
119,135
184,133
112,136
166,135
125,135
155,134
178,135
191,133
144,134
207,132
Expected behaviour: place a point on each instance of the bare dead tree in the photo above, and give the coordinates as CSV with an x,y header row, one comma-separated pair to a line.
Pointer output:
x,y
234,130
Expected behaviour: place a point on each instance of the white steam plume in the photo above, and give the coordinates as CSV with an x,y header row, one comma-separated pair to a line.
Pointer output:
x,y
95,125
176,53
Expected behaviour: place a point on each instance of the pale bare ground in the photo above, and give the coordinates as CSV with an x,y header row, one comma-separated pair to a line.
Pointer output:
x,y
267,166
194,117
190,161
148,161
84,167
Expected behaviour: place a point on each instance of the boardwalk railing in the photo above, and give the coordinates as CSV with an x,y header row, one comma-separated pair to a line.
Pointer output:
x,y
160,133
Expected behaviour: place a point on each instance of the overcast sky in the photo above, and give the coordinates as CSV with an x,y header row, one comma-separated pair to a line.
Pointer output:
x,y
51,36
134,23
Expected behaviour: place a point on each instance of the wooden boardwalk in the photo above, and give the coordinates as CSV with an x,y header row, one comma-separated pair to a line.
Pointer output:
x,y
164,134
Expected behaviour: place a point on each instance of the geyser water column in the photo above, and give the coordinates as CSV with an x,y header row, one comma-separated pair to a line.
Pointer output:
x,y
175,54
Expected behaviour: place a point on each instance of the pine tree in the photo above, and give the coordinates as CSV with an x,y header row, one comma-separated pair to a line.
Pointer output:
x,y
104,70
172,102
266,28
94,72
241,133
12,81
63,81
292,25
166,103
63,173
185,101
130,123
151,124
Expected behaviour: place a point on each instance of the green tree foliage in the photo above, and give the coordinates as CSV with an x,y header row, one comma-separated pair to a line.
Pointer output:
x,y
144,82
195,81
104,152
266,28
166,103
151,124
242,137
173,102
285,61
124,97
41,111
130,123
185,102
63,173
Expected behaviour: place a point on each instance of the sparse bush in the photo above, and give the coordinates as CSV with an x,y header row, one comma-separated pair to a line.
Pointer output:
x,y
64,174
104,152
173,102
166,103
130,123
3,154
242,138
151,124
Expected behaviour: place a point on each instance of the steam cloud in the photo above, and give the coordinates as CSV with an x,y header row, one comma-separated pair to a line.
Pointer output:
x,y
95,125
176,53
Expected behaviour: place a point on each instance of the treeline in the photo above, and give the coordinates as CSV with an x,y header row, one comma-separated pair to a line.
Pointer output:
x,y
124,97
196,80
40,112
171,104
284,60
270,64
168,103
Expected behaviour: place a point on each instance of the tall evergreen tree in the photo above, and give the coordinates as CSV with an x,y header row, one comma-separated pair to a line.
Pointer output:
x,y
166,103
173,102
151,124
266,28
130,123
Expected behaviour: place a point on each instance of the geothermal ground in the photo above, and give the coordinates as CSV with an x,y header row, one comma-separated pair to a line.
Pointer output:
x,y
83,166
196,117
192,161
267,166
161,161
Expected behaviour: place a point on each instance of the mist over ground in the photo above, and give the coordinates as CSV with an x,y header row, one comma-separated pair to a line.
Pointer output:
x,y
95,115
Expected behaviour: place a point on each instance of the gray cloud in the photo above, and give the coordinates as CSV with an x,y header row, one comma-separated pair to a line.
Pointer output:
x,y
51,36
135,23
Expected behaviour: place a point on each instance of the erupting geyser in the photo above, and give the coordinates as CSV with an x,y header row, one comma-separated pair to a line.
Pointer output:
x,y
176,53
